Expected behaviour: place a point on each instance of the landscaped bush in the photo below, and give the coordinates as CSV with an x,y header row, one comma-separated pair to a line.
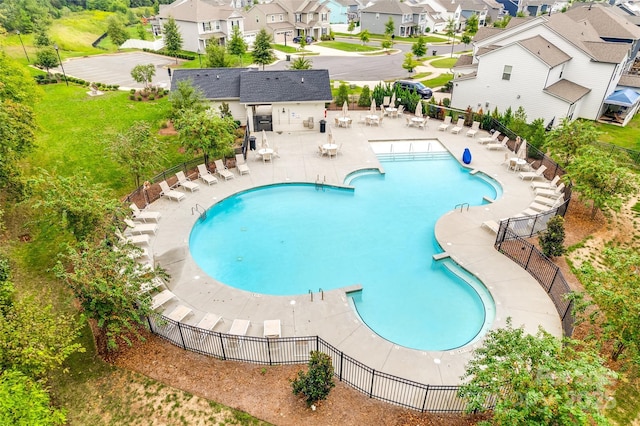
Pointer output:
x,y
316,384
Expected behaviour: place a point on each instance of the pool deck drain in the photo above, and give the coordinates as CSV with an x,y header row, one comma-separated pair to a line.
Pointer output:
x,y
516,293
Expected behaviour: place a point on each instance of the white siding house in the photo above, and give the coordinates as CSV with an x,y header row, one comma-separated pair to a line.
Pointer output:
x,y
552,66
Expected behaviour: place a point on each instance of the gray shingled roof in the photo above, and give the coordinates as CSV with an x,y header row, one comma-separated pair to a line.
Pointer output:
x,y
608,52
463,61
607,23
546,51
215,83
197,10
285,86
486,32
629,80
391,7
567,90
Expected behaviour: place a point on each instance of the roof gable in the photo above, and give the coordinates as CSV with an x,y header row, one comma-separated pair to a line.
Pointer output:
x,y
285,86
546,51
197,10
215,83
606,23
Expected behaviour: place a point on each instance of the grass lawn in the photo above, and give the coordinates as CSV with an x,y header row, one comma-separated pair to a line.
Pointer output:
x,y
443,63
287,49
626,137
347,47
75,130
438,81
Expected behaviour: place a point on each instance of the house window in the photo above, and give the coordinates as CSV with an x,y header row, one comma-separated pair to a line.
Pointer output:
x,y
377,16
506,73
281,18
273,18
298,17
310,17
324,17
206,26
217,25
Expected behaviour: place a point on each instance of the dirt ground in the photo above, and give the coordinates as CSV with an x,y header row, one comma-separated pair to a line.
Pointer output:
x,y
265,392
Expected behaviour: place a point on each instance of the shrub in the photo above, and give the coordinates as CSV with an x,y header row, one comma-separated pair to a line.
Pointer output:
x,y
132,97
552,240
152,97
139,98
132,91
316,384
365,97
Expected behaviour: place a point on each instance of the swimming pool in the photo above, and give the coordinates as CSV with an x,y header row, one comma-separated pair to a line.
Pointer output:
x,y
291,238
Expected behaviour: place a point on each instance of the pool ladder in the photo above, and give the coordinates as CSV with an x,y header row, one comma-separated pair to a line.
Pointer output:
x,y
461,205
320,184
196,209
320,290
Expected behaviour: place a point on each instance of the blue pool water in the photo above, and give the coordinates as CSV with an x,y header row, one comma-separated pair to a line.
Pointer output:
x,y
291,238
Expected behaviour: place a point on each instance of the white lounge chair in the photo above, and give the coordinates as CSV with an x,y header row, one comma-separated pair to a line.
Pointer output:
x,y
533,175
136,240
239,327
489,139
549,192
205,175
491,225
272,328
140,228
161,298
546,185
170,193
475,128
445,124
547,201
209,321
222,171
179,313
143,215
241,165
186,183
498,145
458,127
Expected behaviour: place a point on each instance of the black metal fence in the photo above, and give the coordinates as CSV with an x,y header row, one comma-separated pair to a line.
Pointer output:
x,y
295,350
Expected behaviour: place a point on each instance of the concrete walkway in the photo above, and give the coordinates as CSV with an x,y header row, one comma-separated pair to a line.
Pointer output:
x,y
515,292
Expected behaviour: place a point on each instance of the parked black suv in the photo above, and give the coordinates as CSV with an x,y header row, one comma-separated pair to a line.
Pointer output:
x,y
415,86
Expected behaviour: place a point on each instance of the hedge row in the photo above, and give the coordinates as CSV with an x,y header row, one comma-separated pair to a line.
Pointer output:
x,y
186,56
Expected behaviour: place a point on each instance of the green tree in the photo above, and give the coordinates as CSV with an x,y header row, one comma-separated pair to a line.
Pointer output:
x,y
502,23
419,48
365,97
46,58
317,382
387,43
301,63
143,74
410,62
138,150
389,27
216,56
565,140
142,31
552,239
262,52
472,24
17,133
236,45
601,178
23,401
450,32
343,95
351,27
172,38
364,37
109,284
209,134
303,42
16,83
186,97
536,380
465,39
74,203
116,30
41,38
614,284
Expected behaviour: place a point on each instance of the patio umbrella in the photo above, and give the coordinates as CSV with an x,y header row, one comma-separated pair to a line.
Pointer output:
x,y
345,109
265,143
373,106
522,151
419,109
393,100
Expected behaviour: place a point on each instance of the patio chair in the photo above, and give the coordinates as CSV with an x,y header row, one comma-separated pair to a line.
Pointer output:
x,y
179,313
208,323
401,110
445,124
458,127
184,182
222,171
408,121
491,225
546,185
272,328
386,100
533,175
140,228
321,151
239,327
489,139
475,128
145,215
136,240
424,124
498,145
205,175
241,165
161,298
267,156
549,192
170,193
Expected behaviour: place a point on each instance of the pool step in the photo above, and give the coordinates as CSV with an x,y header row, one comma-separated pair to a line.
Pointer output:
x,y
409,156
440,256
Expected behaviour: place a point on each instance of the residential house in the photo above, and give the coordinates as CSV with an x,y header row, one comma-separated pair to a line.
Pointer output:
x,y
563,65
274,18
202,21
309,17
265,100
340,11
375,16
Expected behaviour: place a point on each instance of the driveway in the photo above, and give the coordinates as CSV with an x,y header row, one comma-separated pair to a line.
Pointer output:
x,y
116,68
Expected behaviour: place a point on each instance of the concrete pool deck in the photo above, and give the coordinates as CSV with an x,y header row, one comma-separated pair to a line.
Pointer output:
x,y
515,292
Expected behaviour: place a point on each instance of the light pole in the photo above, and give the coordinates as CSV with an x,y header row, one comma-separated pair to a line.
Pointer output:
x,y
200,57
285,38
55,46
23,48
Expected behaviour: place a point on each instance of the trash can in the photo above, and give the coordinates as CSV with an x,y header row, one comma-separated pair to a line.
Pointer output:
x,y
288,58
323,126
252,143
434,52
